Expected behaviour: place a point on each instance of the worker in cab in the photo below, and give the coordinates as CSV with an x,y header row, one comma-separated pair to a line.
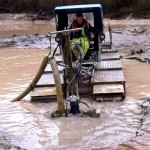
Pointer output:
x,y
83,36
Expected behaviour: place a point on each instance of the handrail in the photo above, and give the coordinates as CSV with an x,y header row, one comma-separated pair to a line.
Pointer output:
x,y
66,31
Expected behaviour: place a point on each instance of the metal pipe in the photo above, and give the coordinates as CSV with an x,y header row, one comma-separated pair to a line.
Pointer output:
x,y
34,82
68,51
66,31
60,98
110,33
77,90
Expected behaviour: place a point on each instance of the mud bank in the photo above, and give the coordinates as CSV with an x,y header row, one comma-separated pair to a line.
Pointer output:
x,y
28,41
20,24
143,57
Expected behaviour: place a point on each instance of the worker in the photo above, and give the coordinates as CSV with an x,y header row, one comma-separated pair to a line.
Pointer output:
x,y
83,36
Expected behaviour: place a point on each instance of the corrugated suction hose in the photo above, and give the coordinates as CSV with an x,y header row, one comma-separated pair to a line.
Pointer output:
x,y
58,85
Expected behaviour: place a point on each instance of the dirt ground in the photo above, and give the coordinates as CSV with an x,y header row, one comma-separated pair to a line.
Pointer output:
x,y
122,125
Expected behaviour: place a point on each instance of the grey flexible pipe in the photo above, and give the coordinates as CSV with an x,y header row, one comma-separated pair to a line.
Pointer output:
x,y
34,82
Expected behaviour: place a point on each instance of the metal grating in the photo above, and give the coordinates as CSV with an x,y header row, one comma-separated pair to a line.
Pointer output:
x,y
48,80
108,64
48,69
110,56
112,76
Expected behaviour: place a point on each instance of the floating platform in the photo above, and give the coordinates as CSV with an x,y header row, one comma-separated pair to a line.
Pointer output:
x,y
107,82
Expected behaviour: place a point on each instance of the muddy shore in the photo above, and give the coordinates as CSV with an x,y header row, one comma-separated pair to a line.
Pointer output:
x,y
20,24
123,125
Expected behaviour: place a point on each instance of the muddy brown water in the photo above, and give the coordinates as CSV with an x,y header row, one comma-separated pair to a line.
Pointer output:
x,y
24,123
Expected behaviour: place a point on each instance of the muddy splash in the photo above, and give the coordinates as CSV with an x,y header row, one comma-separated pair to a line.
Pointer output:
x,y
122,125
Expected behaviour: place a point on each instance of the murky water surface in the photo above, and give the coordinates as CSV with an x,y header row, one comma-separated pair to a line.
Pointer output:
x,y
119,127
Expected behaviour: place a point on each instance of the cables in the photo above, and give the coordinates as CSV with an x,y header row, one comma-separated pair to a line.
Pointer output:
x,y
55,50
86,105
78,64
63,65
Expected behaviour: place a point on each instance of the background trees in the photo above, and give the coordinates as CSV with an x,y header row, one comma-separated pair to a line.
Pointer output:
x,y
110,7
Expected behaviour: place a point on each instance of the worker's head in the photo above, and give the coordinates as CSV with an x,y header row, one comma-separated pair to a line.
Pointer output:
x,y
79,17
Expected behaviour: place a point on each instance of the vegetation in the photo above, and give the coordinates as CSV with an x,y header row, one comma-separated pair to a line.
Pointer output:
x,y
111,8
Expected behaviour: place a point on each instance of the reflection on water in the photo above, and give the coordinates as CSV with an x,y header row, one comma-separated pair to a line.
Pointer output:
x,y
30,129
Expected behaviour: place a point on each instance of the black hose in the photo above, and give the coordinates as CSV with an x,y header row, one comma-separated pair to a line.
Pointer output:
x,y
55,51
86,105
91,99
63,65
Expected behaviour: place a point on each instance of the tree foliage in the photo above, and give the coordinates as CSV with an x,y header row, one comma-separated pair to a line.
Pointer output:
x,y
109,6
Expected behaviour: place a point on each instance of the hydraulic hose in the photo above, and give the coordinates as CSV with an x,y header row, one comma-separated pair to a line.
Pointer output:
x,y
77,45
34,82
79,48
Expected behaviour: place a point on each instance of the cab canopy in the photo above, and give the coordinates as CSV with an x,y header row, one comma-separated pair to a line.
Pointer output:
x,y
64,15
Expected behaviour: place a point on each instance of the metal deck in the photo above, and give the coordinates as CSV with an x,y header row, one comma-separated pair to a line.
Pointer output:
x,y
108,65
112,76
108,89
44,91
47,79
110,56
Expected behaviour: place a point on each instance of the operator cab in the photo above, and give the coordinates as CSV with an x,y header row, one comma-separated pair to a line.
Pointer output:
x,y
64,15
